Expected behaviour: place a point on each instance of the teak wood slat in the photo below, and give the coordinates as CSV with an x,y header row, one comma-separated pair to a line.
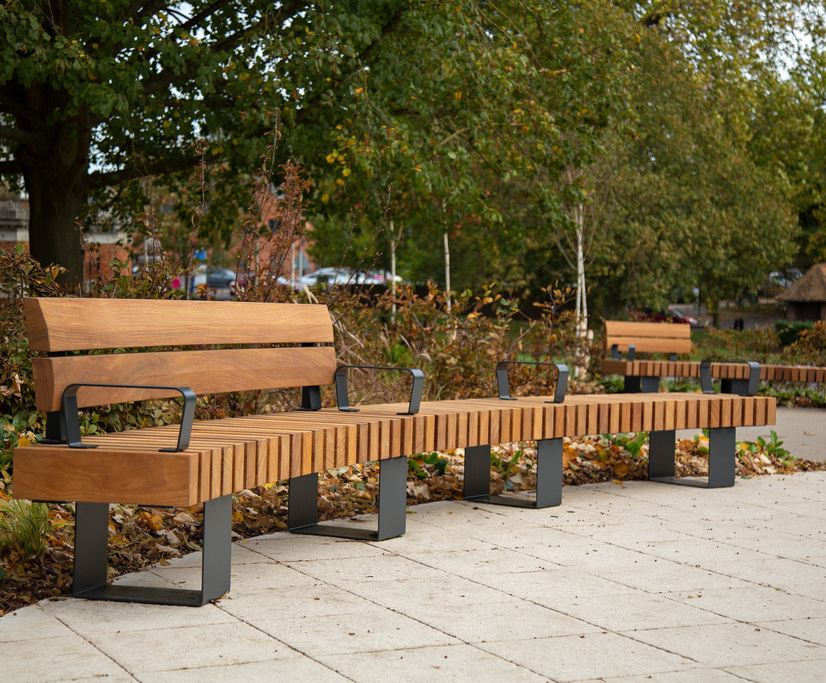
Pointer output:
x,y
768,373
63,324
235,453
647,337
205,372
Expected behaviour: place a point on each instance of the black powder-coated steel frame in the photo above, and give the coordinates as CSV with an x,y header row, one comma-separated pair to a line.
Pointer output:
x,y
302,515
548,476
90,564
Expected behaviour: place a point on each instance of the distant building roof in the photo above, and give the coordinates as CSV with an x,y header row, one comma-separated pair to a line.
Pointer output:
x,y
810,287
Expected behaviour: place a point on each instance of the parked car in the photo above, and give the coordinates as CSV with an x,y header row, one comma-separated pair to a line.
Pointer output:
x,y
326,276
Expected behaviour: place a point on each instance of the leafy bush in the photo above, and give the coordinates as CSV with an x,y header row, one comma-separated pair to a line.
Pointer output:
x,y
789,331
810,346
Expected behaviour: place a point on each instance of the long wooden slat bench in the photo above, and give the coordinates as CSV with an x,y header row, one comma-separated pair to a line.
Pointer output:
x,y
675,339
207,461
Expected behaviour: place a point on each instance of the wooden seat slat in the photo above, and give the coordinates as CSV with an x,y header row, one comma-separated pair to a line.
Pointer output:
x,y
248,451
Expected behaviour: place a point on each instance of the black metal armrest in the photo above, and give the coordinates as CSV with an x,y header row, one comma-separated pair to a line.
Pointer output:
x,y
502,379
753,381
342,395
72,422
616,355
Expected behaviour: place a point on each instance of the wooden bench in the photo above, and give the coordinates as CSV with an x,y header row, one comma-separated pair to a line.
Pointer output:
x,y
674,339
263,346
632,337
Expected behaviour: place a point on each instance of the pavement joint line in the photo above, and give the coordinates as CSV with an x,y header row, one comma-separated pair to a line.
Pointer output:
x,y
96,647
222,608
408,616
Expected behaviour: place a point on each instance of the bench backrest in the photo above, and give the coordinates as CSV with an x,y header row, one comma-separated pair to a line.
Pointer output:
x,y
647,337
61,327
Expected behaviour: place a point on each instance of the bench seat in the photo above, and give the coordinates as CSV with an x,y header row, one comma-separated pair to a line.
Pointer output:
x,y
666,368
231,454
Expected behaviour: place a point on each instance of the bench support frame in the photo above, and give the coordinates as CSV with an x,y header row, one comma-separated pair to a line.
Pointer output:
x,y
636,384
721,459
302,515
90,564
548,476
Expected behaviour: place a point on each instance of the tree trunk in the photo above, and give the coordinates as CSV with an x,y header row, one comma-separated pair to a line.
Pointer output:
x,y
54,238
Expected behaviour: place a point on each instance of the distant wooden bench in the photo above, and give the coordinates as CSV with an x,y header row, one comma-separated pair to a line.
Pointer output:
x,y
630,337
263,346
674,339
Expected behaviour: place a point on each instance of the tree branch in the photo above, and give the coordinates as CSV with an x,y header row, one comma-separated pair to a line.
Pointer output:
x,y
165,78
24,137
157,167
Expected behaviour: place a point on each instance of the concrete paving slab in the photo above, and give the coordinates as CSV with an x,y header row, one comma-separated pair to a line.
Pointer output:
x,y
372,629
782,672
145,652
573,658
62,658
447,663
294,670
732,644
508,620
753,604
634,611
812,630
685,676
618,583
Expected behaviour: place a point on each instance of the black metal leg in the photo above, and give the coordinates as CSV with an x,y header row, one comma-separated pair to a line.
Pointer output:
x,y
548,473
302,516
734,386
661,447
217,558
721,459
634,384
548,476
302,502
91,546
392,498
91,538
477,472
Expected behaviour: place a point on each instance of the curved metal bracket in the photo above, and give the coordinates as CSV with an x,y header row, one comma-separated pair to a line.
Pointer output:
x,y
70,409
342,394
502,379
753,381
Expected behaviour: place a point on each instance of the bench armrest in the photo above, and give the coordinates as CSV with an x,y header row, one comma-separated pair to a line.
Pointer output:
x,y
753,382
342,395
72,422
502,379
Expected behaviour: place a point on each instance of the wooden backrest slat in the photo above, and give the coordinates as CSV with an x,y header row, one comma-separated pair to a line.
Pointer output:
x,y
648,337
624,328
205,372
64,324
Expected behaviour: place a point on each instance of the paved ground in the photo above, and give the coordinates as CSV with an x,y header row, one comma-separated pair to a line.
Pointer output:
x,y
621,583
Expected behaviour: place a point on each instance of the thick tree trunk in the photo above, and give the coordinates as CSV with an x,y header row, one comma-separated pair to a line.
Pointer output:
x,y
54,237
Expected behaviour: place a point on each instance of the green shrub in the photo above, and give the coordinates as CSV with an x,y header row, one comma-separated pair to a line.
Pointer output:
x,y
789,331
